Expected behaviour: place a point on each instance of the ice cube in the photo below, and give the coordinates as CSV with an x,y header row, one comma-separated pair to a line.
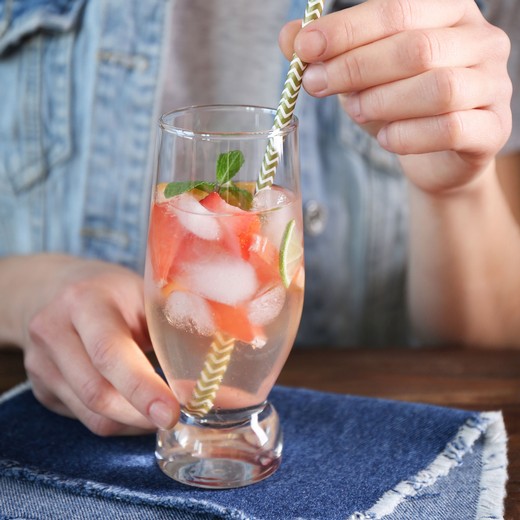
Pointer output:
x,y
222,278
259,342
266,307
189,312
238,226
195,217
279,204
269,198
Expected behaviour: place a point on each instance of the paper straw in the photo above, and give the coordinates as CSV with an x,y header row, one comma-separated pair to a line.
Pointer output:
x,y
287,103
211,376
219,356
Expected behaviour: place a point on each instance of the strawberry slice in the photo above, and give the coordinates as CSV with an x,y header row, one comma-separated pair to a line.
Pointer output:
x,y
239,229
263,256
234,321
164,240
175,225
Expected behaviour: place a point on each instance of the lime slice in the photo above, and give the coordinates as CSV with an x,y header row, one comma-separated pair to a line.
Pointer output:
x,y
291,252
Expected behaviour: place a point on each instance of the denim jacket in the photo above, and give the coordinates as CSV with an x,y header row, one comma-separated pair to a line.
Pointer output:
x,y
79,99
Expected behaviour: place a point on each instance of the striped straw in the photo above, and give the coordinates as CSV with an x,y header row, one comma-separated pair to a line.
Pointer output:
x,y
287,103
219,356
211,376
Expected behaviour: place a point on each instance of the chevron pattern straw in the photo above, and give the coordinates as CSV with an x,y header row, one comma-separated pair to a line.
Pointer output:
x,y
219,356
210,378
287,103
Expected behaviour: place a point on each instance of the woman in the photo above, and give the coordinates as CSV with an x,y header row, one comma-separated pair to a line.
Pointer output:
x,y
404,208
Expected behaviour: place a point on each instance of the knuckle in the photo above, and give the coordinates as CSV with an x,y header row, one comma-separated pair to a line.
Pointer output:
x,y
503,122
136,388
352,70
42,327
501,44
422,50
102,353
452,126
94,394
397,15
75,293
349,31
39,328
447,87
398,139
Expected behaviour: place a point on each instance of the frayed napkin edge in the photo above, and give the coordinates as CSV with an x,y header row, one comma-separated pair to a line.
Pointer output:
x,y
492,483
494,471
493,477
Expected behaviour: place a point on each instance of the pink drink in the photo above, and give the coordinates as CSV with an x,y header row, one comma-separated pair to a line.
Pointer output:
x,y
216,269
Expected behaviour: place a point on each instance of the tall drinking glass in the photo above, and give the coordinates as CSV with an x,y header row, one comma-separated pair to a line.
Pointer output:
x,y
224,287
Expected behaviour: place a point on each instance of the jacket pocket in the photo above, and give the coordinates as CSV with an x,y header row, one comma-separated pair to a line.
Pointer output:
x,y
36,45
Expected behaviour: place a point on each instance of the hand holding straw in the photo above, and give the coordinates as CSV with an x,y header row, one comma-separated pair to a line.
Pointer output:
x,y
219,356
287,103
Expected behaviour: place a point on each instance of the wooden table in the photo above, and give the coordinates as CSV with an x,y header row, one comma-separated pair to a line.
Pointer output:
x,y
469,379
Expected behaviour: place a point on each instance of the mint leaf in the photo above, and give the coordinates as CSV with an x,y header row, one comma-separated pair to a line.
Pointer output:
x,y
228,165
176,188
243,198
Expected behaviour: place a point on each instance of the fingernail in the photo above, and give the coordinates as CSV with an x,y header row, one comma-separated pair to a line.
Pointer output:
x,y
315,78
161,414
311,43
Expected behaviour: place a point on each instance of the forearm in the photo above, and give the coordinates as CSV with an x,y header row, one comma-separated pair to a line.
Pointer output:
x,y
464,266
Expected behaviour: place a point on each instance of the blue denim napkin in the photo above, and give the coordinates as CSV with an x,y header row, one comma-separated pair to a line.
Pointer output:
x,y
344,458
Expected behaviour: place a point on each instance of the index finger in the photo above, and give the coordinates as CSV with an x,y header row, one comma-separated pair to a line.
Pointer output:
x,y
113,351
374,20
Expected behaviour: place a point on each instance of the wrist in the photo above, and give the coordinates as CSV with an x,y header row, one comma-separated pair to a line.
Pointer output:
x,y
463,261
23,284
12,296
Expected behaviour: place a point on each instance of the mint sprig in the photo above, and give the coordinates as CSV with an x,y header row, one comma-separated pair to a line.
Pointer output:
x,y
228,165
176,188
244,197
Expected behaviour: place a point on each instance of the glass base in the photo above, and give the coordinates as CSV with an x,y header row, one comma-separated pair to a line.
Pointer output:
x,y
223,449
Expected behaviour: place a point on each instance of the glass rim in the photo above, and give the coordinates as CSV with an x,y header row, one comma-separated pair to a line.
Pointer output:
x,y
253,134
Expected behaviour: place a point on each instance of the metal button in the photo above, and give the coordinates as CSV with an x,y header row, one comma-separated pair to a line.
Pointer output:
x,y
314,218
